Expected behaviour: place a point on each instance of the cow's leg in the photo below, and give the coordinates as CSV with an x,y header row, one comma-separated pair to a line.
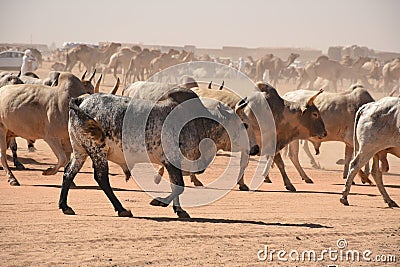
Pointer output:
x,y
244,161
100,165
355,165
158,175
70,171
348,151
265,173
3,157
177,186
57,148
377,175
13,146
126,171
306,149
294,157
281,166
31,145
194,180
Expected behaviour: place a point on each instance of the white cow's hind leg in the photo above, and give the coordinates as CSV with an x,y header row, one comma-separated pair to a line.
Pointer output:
x,y
355,165
377,175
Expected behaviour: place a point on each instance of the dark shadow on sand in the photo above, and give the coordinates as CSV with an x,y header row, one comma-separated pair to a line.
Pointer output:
x,y
231,221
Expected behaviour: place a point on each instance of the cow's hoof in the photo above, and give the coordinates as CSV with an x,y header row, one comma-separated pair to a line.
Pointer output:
x,y
73,185
290,188
392,204
267,180
50,171
125,213
340,162
183,214
309,181
344,201
157,178
13,182
31,149
316,166
198,183
19,166
158,202
243,187
68,211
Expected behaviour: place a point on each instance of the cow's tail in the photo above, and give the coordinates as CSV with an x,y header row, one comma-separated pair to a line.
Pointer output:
x,y
356,119
84,123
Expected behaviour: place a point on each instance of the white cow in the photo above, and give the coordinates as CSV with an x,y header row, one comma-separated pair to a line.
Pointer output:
x,y
376,130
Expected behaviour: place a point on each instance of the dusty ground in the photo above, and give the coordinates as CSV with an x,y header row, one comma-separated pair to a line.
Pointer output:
x,y
230,231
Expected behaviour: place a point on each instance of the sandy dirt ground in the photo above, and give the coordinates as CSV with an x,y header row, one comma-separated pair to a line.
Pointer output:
x,y
230,231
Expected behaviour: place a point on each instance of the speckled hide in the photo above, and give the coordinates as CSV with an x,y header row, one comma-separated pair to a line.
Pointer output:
x,y
96,130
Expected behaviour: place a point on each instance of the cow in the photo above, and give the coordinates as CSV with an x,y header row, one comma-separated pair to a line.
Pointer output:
x,y
338,112
376,131
293,121
153,91
38,112
51,80
96,129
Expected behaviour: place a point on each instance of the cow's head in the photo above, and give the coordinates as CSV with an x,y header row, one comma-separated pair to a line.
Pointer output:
x,y
311,118
239,110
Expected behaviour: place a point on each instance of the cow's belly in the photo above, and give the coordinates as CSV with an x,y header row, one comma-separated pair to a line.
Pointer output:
x,y
133,154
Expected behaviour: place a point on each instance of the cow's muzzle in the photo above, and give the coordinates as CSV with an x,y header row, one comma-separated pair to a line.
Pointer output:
x,y
322,135
254,150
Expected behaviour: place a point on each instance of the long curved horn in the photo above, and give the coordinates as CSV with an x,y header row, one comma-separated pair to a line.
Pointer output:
x,y
241,104
116,86
19,74
209,85
83,76
91,77
310,101
222,85
97,86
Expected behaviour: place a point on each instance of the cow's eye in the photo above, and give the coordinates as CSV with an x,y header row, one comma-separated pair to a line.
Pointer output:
x,y
245,125
315,115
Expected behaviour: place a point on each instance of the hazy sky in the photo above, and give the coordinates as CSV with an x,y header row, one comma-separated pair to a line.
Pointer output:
x,y
205,23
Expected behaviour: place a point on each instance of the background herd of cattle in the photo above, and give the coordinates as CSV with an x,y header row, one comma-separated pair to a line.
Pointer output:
x,y
73,118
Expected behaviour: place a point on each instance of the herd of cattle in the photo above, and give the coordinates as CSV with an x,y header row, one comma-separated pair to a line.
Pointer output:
x,y
77,121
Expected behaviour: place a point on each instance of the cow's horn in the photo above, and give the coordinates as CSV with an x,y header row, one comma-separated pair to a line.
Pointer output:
x,y
97,86
311,100
116,86
209,85
83,76
91,77
222,85
241,104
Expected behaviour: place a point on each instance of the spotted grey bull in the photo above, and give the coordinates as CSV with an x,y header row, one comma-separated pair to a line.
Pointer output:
x,y
376,131
154,90
96,129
